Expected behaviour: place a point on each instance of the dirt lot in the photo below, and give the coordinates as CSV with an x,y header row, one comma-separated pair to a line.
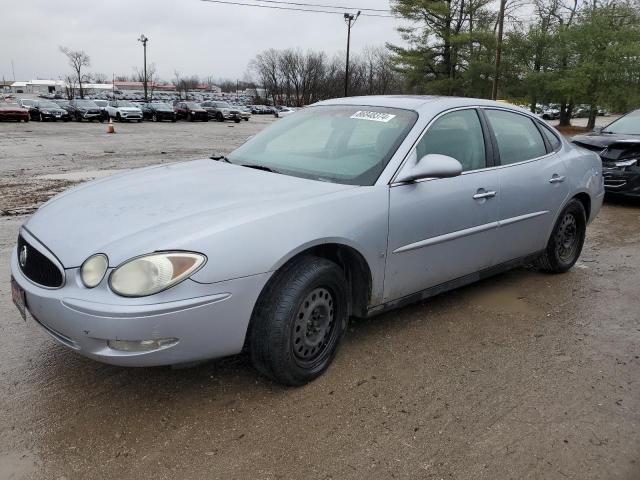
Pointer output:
x,y
521,376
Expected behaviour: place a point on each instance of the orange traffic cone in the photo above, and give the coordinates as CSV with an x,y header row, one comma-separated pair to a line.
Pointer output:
x,y
110,128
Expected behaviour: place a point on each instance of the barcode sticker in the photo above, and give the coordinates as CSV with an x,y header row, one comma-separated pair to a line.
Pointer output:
x,y
373,116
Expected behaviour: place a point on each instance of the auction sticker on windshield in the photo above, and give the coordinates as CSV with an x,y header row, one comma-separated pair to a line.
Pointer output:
x,y
373,116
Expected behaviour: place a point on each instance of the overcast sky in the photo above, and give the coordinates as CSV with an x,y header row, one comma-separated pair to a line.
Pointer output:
x,y
190,36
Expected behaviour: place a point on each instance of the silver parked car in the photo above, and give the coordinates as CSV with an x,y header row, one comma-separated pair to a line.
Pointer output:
x,y
348,208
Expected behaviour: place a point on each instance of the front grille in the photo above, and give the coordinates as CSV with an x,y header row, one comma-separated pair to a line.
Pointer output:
x,y
37,267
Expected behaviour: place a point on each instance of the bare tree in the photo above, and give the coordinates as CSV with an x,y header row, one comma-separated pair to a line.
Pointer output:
x,y
78,60
100,78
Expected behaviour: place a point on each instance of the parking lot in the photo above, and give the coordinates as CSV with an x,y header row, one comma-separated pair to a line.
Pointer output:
x,y
524,375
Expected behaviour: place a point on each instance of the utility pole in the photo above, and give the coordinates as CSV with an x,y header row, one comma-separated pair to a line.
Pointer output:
x,y
350,19
144,41
113,85
494,93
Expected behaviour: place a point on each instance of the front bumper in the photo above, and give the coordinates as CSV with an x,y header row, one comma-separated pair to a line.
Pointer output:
x,y
131,115
621,182
56,116
208,320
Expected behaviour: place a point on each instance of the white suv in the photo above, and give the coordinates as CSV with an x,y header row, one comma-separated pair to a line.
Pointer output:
x,y
122,110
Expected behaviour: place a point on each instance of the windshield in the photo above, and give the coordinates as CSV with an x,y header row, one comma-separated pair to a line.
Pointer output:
x,y
48,105
160,106
341,144
126,104
28,102
101,103
193,105
627,125
222,105
86,104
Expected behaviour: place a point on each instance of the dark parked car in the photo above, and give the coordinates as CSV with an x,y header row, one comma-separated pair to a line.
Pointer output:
x,y
103,104
85,110
13,111
61,103
191,111
158,111
27,103
47,110
618,145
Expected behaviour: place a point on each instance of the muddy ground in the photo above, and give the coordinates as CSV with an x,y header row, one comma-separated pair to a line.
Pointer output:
x,y
524,375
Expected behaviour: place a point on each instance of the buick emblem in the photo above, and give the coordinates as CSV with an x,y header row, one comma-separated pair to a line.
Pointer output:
x,y
23,256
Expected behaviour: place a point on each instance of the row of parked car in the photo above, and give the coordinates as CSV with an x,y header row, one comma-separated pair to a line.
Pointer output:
x,y
127,111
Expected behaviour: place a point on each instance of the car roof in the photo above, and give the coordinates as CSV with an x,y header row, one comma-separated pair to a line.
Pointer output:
x,y
418,103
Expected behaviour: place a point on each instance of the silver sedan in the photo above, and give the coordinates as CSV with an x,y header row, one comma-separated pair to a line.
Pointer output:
x,y
349,207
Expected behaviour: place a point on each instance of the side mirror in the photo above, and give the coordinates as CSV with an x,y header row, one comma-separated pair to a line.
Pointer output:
x,y
432,165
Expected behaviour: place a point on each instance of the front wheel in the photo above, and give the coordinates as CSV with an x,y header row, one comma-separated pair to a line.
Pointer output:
x,y
565,245
299,321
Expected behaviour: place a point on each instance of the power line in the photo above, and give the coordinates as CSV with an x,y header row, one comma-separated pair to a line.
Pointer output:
x,y
342,7
292,8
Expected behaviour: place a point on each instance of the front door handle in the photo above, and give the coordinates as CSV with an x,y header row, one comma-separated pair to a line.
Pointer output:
x,y
482,194
557,179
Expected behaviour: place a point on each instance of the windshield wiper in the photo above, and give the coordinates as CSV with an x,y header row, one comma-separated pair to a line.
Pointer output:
x,y
260,167
220,158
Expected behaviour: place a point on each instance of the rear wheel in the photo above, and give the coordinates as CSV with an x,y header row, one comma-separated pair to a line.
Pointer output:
x,y
119,117
567,239
299,321
154,118
219,117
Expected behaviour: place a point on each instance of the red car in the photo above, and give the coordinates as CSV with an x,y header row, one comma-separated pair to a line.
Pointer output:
x,y
13,111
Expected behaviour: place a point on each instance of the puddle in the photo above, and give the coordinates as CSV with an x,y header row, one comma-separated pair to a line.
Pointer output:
x,y
17,466
501,298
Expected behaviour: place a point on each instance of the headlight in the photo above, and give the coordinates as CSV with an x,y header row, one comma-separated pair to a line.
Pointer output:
x,y
192,112
93,269
627,163
153,273
47,112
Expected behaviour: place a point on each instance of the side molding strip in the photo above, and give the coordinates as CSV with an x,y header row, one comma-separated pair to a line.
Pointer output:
x,y
467,231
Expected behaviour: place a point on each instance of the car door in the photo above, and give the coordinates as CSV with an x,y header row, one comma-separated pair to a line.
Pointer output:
x,y
444,229
532,182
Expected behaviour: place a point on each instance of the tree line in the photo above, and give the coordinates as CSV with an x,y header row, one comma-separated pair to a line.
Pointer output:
x,y
568,52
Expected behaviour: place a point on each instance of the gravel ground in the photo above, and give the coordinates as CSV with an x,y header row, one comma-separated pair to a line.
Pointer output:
x,y
524,375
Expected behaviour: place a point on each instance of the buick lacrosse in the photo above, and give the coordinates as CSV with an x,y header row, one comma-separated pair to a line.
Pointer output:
x,y
349,207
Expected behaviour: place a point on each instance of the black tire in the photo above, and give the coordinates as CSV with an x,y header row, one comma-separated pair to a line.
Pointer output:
x,y
299,321
190,118
237,120
246,119
173,119
101,120
154,118
78,118
119,117
567,239
40,119
219,117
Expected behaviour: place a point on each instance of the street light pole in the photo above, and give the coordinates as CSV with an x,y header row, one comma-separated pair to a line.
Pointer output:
x,y
350,19
144,41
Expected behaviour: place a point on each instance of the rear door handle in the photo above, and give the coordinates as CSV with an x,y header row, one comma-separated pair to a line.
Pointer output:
x,y
481,195
557,179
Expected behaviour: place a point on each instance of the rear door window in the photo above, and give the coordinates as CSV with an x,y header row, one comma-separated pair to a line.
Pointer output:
x,y
517,136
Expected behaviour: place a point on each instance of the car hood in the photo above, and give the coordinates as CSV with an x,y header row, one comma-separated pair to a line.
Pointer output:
x,y
604,140
167,207
610,147
129,109
6,109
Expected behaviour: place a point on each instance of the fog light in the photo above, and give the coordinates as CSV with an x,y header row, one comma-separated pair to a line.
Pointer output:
x,y
141,345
